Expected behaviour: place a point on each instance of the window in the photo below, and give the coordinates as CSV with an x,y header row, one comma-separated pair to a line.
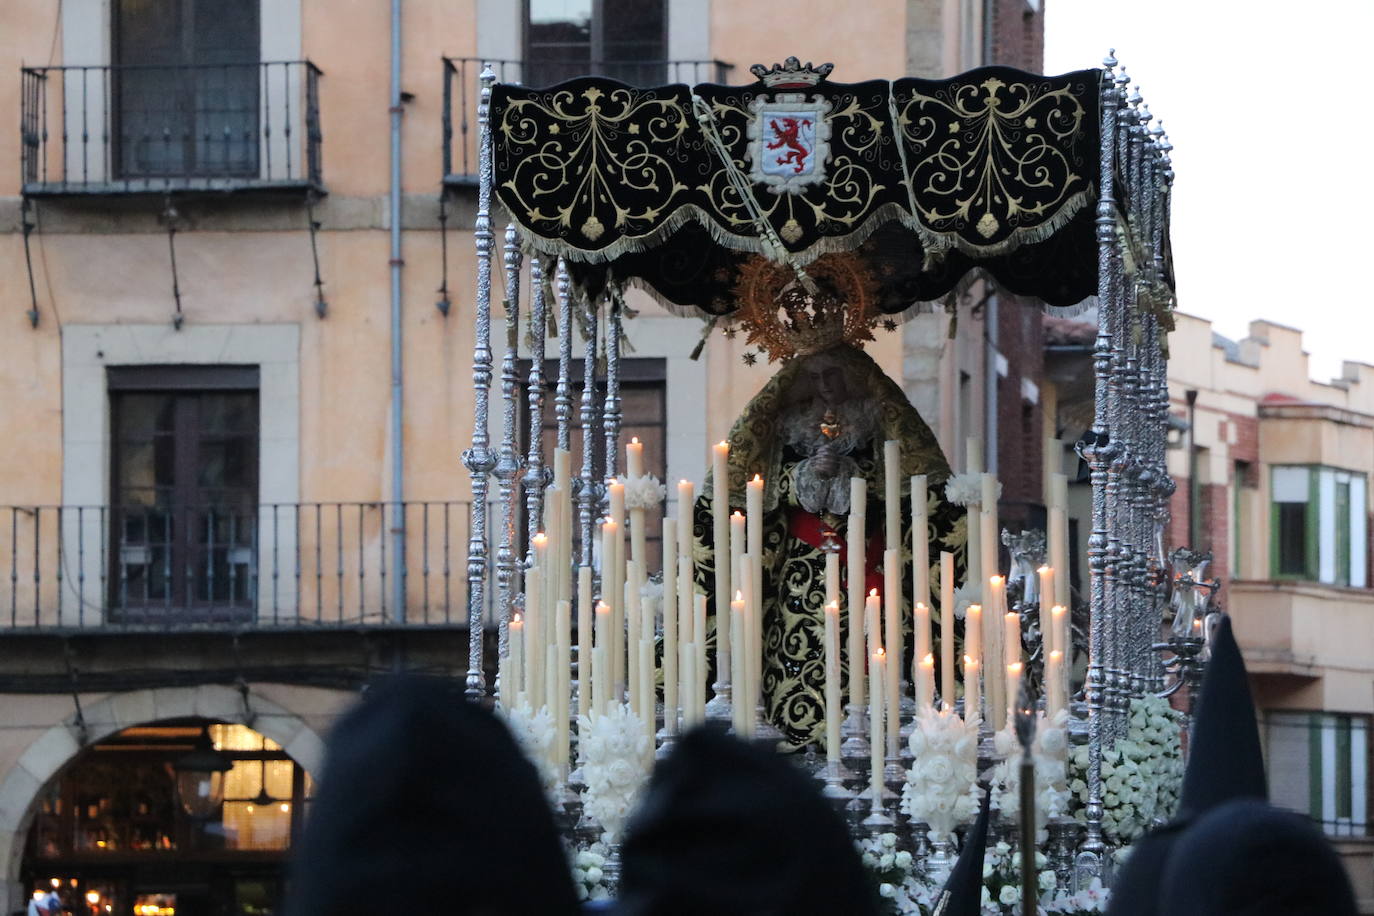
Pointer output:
x,y
184,450
1318,525
622,39
1240,482
1319,766
186,87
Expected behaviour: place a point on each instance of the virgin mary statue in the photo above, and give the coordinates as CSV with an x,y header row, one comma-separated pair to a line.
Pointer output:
x,y
821,420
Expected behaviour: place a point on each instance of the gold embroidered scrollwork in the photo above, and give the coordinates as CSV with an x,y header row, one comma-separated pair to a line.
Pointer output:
x,y
997,160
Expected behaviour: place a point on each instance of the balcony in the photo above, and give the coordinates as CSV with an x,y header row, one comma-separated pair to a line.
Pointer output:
x,y
288,566
462,85
119,130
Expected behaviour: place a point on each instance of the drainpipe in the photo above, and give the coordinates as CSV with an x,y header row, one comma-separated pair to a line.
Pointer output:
x,y
990,384
398,519
1194,490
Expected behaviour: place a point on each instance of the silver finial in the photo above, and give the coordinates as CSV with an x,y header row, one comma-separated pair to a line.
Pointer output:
x,y
1123,78
1110,60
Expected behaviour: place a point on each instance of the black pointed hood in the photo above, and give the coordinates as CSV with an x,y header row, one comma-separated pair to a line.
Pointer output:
x,y
1248,858
1224,764
1224,761
728,828
962,894
427,802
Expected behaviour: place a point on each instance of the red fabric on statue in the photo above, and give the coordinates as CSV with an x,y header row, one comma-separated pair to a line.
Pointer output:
x,y
806,526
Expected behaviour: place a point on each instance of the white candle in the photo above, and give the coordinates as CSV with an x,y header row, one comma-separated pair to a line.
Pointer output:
x,y
685,492
973,632
973,695
613,593
646,682
740,710
513,684
634,458
752,662
858,496
562,469
686,599
1013,692
753,514
973,464
988,528
634,618
1059,623
601,673
671,675
563,666
699,637
534,642
992,648
892,639
832,576
551,693
922,634
947,628
689,685
832,681
877,675
920,542
1059,537
892,494
872,617
925,683
855,561
720,522
584,639
1054,683
1047,578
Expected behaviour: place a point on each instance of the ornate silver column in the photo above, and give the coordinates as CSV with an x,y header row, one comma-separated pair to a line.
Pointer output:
x,y
508,461
478,459
1096,451
562,400
588,499
535,472
610,412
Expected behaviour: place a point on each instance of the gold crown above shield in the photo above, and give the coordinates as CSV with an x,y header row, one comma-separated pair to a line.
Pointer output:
x,y
784,320
790,74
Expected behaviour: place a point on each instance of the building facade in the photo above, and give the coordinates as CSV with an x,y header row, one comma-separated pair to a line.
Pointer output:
x,y
238,273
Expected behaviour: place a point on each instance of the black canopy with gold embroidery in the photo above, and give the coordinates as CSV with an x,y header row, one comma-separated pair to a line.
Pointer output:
x,y
925,179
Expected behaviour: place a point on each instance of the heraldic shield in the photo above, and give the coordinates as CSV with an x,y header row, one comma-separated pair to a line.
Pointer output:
x,y
789,141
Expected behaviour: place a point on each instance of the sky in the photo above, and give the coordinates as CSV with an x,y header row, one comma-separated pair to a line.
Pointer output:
x,y
1267,106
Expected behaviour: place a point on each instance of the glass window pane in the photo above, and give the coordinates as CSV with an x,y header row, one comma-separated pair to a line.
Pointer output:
x,y
1292,539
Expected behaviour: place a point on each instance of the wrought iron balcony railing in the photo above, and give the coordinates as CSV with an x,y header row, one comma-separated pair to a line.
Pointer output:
x,y
282,565
155,129
461,85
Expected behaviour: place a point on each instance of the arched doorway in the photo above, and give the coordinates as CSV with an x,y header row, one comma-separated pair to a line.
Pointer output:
x,y
112,837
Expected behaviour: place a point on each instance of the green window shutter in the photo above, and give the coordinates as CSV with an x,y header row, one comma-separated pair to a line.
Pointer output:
x,y
1313,553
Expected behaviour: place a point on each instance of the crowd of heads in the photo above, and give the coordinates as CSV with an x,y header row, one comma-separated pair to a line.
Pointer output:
x,y
427,801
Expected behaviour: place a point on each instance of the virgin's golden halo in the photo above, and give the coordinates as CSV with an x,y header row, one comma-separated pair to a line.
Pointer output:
x,y
784,321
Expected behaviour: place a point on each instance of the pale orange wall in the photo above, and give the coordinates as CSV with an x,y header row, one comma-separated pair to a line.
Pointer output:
x,y
863,40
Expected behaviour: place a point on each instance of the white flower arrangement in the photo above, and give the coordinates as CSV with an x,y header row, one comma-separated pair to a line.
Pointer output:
x,y
619,755
645,492
1002,879
967,490
1050,751
536,734
894,871
588,872
1141,774
652,590
965,595
1091,899
942,785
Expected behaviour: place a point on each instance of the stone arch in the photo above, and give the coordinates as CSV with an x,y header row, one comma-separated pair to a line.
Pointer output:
x,y
47,755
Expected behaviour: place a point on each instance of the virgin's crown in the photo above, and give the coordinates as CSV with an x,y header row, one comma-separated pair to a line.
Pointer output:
x,y
791,74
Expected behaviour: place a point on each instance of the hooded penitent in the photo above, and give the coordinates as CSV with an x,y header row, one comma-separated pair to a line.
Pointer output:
x,y
962,894
1224,763
728,828
1248,858
426,806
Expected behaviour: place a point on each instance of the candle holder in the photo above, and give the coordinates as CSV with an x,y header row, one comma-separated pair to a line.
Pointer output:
x,y
1063,839
610,871
855,731
878,818
764,730
940,861
720,706
833,775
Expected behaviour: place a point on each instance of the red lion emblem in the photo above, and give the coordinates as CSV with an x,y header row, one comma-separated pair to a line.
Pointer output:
x,y
787,137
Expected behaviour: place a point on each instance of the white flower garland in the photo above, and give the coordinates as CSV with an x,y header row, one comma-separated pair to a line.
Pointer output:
x,y
1141,774
942,785
588,872
1050,751
967,490
619,755
535,733
644,492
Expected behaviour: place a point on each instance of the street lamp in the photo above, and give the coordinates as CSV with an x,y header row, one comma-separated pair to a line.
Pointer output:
x,y
200,778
